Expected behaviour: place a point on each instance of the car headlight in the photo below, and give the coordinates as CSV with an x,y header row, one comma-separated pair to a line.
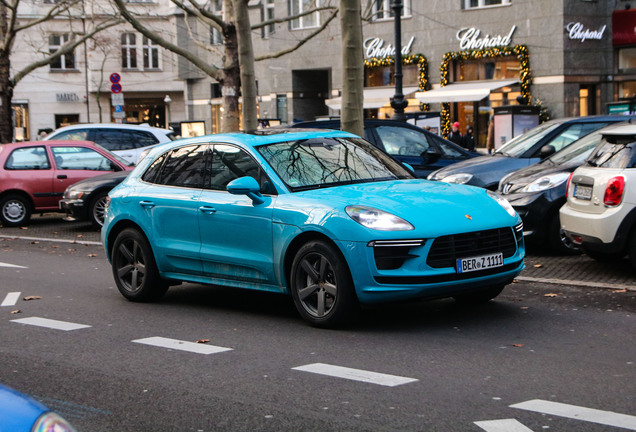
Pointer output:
x,y
546,182
461,178
73,194
377,219
52,422
503,203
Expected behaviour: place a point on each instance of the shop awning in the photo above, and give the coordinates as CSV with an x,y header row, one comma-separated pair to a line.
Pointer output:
x,y
463,92
373,97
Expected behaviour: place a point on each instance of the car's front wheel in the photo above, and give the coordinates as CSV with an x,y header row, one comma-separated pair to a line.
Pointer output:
x,y
481,296
134,268
97,210
15,210
322,287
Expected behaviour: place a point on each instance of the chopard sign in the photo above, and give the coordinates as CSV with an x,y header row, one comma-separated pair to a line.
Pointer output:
x,y
374,47
576,31
469,39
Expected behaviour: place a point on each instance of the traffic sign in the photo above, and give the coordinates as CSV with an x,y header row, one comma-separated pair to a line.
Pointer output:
x,y
117,99
116,88
115,78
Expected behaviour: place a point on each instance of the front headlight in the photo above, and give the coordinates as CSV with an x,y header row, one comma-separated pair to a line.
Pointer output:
x,y
377,219
461,178
73,194
503,203
546,182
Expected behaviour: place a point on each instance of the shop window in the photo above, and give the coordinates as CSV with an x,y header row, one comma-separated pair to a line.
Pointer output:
x,y
626,59
491,69
476,4
64,62
128,51
65,120
381,9
627,90
151,54
216,7
297,7
267,14
383,76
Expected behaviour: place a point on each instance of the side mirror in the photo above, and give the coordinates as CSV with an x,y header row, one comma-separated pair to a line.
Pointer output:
x,y
546,151
408,167
246,186
432,155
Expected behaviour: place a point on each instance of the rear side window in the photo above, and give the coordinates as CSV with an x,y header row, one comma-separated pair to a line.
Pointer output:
x,y
614,152
72,135
122,139
28,158
184,166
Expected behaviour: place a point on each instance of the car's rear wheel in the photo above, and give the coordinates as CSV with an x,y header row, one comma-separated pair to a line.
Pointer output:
x,y
134,268
632,248
481,296
322,287
15,210
97,210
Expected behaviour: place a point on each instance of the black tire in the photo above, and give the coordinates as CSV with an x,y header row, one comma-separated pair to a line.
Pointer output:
x,y
97,210
631,247
605,257
321,286
558,241
482,296
15,210
134,268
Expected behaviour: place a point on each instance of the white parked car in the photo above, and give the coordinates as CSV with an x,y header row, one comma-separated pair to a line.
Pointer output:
x,y
128,141
600,212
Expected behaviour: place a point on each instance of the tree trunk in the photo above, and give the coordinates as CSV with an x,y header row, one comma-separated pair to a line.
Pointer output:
x,y
352,68
6,94
231,83
246,60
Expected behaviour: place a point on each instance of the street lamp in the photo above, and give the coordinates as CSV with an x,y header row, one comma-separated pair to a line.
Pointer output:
x,y
398,102
167,101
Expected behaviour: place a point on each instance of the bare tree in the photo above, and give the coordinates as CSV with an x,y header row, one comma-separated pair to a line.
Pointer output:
x,y
236,73
352,68
10,29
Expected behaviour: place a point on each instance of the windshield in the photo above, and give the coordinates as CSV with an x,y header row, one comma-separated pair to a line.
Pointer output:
x,y
519,145
116,156
324,162
576,153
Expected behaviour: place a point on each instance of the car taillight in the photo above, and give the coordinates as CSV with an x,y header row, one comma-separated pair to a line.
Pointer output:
x,y
567,187
614,191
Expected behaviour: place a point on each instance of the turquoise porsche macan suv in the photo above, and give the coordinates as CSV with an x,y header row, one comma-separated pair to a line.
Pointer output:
x,y
321,215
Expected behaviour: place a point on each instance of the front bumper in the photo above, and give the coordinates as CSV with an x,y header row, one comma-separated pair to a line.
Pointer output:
x,y
74,209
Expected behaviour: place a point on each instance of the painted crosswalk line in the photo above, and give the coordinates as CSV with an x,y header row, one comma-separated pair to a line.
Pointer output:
x,y
49,323
182,345
591,415
505,425
11,299
11,265
355,374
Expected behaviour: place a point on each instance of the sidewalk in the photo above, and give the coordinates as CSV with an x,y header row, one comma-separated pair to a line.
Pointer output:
x,y
577,270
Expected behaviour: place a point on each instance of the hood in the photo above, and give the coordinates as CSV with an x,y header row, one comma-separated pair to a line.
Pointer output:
x,y
533,172
111,179
433,208
478,164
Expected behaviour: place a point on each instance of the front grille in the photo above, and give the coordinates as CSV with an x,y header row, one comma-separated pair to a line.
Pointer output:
x,y
447,249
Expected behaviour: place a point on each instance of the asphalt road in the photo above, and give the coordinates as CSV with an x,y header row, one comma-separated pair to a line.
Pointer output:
x,y
542,356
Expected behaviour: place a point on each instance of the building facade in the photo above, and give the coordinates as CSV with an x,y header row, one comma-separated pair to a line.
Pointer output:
x,y
461,59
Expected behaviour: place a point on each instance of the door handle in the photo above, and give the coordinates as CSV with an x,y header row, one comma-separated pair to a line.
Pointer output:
x,y
207,209
62,176
147,204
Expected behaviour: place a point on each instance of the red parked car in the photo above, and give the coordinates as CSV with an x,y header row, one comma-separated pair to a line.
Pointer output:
x,y
34,175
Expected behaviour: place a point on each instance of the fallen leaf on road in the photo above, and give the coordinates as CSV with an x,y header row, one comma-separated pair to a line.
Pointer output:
x,y
619,290
80,235
538,265
517,345
31,298
92,255
15,312
550,295
202,341
524,307
35,242
24,227
54,247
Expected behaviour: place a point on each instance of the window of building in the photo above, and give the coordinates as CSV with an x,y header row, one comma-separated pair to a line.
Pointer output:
x,y
383,76
381,9
626,59
128,51
298,7
475,4
66,61
486,69
267,13
216,7
151,54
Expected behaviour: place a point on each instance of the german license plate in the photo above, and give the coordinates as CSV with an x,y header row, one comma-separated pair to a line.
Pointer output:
x,y
465,265
583,192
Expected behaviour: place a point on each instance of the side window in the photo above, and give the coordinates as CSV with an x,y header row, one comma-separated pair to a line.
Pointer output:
x,y
112,139
184,166
573,133
152,173
229,163
447,150
402,141
73,135
80,158
28,158
141,139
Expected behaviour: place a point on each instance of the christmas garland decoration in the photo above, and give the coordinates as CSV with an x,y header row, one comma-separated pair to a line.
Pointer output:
x,y
525,77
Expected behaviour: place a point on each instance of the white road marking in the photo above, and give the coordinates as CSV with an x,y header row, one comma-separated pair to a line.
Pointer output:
x,y
507,425
608,418
11,265
182,345
49,323
355,374
82,242
11,299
